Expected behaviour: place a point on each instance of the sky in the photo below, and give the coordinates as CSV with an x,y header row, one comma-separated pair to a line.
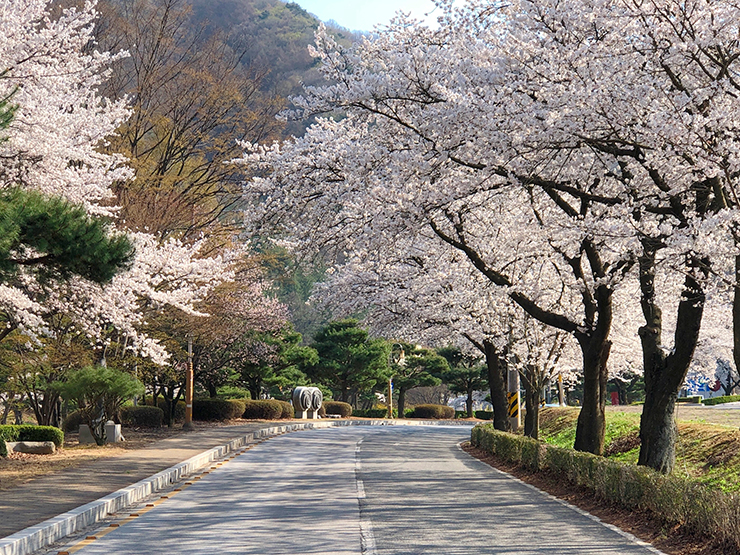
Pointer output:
x,y
363,15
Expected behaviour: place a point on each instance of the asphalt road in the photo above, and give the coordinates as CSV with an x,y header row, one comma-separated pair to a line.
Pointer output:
x,y
373,490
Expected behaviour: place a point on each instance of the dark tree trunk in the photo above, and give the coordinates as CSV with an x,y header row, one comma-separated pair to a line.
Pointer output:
x,y
498,388
665,373
212,392
591,425
735,322
532,403
469,403
401,405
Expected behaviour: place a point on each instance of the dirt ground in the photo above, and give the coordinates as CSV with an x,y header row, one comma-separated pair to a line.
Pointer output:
x,y
642,524
21,467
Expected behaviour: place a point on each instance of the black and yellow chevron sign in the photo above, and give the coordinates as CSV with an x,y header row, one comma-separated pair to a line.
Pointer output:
x,y
514,405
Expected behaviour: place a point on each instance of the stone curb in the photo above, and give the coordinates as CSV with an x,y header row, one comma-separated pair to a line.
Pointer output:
x,y
45,533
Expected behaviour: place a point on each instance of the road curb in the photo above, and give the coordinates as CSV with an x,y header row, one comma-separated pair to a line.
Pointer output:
x,y
42,535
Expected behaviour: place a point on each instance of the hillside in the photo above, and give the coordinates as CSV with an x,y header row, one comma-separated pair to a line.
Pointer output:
x,y
274,34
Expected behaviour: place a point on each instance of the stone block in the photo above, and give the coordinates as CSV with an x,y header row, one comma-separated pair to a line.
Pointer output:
x,y
32,447
112,432
86,436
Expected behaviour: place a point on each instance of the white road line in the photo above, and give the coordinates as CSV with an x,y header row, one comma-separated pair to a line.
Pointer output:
x,y
367,538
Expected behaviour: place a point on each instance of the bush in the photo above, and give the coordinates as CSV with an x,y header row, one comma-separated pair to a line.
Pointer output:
x,y
676,500
722,400
435,412
217,409
142,417
372,413
179,408
30,432
338,407
3,448
692,399
266,409
72,423
484,414
288,411
8,432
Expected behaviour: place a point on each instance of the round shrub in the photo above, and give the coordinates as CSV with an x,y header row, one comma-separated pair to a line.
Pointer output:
x,y
142,417
9,432
72,423
435,412
338,407
288,411
179,409
217,409
266,409
30,432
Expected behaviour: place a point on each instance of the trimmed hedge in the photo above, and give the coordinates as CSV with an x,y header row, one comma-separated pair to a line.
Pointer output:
x,y
288,411
371,413
217,409
479,414
435,412
338,407
721,400
29,432
179,409
3,448
691,399
142,417
674,499
264,409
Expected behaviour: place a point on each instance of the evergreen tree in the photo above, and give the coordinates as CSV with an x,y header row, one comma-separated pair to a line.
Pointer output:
x,y
349,362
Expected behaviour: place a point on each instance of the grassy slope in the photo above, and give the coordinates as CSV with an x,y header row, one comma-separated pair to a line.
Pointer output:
x,y
707,452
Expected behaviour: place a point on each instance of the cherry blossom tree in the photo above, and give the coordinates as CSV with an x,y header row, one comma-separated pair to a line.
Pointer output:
x,y
557,156
54,145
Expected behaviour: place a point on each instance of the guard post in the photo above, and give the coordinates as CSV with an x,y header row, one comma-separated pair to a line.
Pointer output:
x,y
515,419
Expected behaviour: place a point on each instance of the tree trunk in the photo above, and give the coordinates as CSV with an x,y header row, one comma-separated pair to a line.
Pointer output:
x,y
401,405
735,322
532,403
498,388
212,392
665,373
469,403
591,425
255,388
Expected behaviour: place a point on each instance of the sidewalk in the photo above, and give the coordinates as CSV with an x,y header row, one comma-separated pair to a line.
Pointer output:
x,y
53,494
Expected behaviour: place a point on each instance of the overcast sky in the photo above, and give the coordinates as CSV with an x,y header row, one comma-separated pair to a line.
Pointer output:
x,y
363,15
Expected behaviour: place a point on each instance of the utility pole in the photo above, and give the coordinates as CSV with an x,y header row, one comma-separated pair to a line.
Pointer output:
x,y
188,425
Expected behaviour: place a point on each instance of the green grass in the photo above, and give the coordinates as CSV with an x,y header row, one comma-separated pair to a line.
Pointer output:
x,y
708,453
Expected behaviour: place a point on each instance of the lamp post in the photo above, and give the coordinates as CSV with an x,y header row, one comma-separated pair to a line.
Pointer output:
x,y
188,425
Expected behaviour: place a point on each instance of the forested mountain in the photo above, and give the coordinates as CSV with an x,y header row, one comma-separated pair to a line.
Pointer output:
x,y
273,34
